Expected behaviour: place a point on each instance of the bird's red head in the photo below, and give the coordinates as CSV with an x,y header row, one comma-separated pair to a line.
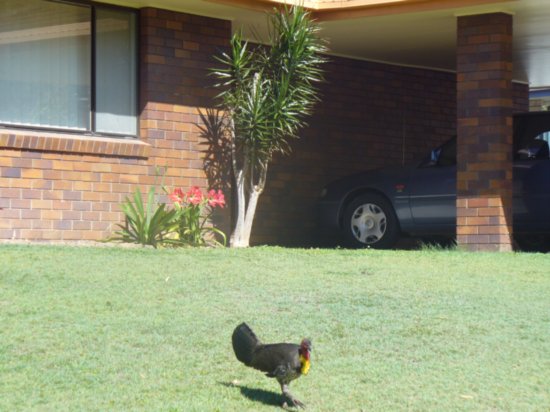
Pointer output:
x,y
305,348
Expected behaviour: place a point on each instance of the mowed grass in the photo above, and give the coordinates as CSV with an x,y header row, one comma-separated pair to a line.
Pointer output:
x,y
109,329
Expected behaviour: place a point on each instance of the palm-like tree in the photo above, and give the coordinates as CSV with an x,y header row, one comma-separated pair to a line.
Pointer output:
x,y
267,92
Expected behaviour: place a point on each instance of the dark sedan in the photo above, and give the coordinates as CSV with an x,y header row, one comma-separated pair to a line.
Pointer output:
x,y
376,207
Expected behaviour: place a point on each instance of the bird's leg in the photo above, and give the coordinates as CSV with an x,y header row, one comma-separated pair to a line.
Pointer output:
x,y
292,399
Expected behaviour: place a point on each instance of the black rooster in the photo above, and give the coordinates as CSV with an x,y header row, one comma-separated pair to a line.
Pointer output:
x,y
282,361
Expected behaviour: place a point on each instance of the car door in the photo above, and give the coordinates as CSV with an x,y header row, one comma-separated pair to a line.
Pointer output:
x,y
432,191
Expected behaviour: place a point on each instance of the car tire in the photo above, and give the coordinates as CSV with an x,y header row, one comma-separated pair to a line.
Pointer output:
x,y
370,221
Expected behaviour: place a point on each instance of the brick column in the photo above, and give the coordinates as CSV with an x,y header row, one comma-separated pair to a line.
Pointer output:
x,y
484,130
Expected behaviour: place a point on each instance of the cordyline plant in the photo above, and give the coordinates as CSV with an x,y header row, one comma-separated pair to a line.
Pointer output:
x,y
266,94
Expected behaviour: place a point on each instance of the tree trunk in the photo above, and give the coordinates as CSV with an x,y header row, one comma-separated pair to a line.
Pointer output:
x,y
236,239
247,210
236,236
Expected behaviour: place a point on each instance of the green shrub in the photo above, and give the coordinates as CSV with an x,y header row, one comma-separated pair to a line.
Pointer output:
x,y
147,225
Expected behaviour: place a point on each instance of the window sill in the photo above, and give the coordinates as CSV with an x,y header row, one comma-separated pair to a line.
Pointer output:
x,y
68,143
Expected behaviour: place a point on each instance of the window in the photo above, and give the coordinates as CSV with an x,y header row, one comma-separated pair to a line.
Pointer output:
x,y
68,66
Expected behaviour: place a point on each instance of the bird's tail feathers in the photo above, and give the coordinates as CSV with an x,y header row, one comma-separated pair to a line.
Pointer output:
x,y
244,343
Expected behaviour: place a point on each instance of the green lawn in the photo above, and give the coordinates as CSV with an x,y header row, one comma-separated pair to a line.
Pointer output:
x,y
109,329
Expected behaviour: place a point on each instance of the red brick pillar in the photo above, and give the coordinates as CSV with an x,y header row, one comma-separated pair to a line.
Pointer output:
x,y
484,129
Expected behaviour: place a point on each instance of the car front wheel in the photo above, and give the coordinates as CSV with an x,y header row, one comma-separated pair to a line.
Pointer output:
x,y
369,221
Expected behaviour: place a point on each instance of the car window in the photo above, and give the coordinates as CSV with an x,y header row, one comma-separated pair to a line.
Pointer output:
x,y
447,157
444,155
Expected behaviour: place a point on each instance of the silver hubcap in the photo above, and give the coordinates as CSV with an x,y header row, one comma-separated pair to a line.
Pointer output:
x,y
368,223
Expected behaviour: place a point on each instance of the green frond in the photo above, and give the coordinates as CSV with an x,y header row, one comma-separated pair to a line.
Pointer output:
x,y
271,90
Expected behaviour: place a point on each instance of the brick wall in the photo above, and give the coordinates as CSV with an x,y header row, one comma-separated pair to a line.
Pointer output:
x,y
67,187
62,194
177,115
520,97
485,108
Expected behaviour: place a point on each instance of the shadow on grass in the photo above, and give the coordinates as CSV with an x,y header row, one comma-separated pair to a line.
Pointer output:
x,y
269,398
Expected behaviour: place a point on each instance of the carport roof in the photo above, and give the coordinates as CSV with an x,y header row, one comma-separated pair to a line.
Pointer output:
x,y
420,33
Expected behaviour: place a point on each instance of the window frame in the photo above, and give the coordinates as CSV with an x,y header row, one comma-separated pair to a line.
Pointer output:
x,y
93,5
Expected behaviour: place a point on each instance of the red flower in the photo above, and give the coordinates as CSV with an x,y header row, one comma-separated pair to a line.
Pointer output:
x,y
194,196
216,198
177,196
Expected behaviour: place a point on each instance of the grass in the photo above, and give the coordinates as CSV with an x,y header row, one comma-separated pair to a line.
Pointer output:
x,y
108,329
